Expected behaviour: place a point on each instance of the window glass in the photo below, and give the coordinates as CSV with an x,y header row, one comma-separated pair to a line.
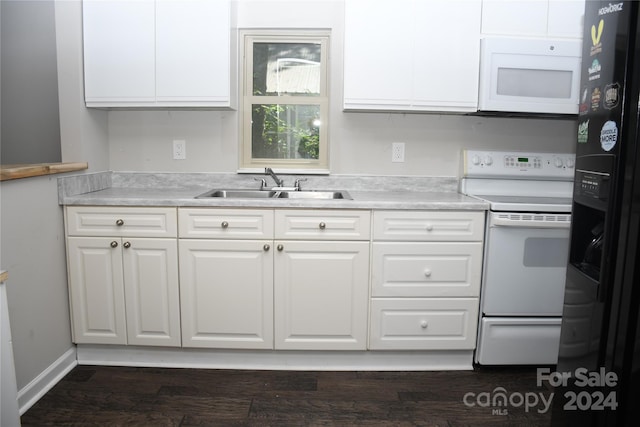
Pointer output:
x,y
286,68
285,101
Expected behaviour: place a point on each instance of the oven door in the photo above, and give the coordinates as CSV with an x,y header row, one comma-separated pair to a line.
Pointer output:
x,y
525,264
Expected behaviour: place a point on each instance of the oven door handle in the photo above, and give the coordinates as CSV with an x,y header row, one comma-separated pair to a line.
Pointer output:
x,y
523,221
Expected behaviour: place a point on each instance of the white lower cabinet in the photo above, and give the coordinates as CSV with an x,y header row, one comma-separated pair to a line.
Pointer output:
x,y
123,275
283,279
321,294
226,293
425,280
423,323
303,286
124,290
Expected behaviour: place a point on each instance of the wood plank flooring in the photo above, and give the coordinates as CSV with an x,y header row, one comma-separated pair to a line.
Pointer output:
x,y
125,396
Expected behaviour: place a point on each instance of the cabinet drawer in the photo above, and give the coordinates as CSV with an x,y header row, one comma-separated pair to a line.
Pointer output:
x,y
428,225
434,269
211,223
423,323
323,225
121,221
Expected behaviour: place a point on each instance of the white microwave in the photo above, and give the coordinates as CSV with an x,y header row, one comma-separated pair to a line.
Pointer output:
x,y
529,75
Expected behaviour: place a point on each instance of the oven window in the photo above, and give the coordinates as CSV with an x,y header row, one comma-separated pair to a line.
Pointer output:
x,y
545,252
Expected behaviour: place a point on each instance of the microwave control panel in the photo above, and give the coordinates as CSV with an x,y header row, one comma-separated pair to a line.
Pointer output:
x,y
518,165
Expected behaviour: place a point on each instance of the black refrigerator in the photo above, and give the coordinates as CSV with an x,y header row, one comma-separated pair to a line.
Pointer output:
x,y
597,377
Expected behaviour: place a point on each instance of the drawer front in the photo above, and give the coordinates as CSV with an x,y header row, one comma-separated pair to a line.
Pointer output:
x,y
428,225
212,223
323,225
436,269
423,323
121,221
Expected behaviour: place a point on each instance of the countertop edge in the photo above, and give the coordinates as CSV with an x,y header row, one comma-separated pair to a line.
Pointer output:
x,y
460,202
10,172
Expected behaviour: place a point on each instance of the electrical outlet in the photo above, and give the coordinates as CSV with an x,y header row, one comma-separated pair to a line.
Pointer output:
x,y
397,152
179,149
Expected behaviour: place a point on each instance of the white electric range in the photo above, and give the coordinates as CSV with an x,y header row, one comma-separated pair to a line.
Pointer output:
x,y
525,254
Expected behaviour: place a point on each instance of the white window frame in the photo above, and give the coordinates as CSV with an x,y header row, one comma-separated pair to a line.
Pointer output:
x,y
253,165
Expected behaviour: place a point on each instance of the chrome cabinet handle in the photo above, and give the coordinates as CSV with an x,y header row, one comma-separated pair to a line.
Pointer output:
x,y
280,247
224,224
119,223
322,226
114,244
266,247
126,245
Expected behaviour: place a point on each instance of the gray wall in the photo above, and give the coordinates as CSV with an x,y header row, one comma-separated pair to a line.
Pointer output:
x,y
30,120
32,250
32,247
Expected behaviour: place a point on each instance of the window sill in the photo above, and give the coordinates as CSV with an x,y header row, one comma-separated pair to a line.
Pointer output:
x,y
8,172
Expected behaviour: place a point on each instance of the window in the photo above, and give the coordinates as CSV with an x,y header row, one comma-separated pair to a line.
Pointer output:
x,y
285,101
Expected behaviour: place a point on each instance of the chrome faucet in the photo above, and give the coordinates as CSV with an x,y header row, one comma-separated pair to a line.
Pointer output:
x,y
269,171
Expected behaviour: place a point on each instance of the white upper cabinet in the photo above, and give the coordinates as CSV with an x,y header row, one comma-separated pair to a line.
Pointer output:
x,y
411,55
535,18
119,56
164,53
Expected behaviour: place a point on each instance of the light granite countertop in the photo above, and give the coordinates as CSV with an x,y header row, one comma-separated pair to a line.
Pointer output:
x,y
180,189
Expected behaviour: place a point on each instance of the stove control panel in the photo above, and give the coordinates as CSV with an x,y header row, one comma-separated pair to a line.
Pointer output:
x,y
518,165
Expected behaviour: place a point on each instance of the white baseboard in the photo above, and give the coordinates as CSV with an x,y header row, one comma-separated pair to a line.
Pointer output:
x,y
276,360
32,392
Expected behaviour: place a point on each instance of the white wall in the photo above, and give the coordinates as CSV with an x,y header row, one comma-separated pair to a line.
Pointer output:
x,y
360,142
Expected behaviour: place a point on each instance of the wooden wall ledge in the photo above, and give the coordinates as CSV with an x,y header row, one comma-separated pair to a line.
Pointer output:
x,y
8,172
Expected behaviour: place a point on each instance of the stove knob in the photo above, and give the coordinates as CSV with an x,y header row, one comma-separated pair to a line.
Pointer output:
x,y
570,163
558,162
475,160
488,160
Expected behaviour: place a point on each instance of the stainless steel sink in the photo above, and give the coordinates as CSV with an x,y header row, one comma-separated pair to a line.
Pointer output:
x,y
313,194
239,194
272,194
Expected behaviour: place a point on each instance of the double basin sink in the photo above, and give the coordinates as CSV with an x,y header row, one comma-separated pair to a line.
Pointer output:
x,y
276,194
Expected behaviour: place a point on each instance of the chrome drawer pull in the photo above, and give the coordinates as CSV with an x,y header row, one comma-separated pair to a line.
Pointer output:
x,y
266,247
127,245
114,244
322,226
119,223
224,224
280,247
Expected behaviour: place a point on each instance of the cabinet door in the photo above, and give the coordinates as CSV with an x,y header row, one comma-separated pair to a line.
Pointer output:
x,y
192,56
395,57
119,51
538,18
96,290
446,74
226,293
321,294
522,17
566,18
378,54
151,291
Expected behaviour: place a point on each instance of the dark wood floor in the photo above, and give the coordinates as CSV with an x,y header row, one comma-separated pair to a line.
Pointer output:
x,y
92,395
